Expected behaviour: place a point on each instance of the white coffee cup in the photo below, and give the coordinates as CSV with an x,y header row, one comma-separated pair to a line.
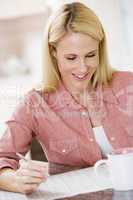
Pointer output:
x,y
120,167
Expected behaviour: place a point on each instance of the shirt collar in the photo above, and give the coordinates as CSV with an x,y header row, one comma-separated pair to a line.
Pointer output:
x,y
109,95
65,99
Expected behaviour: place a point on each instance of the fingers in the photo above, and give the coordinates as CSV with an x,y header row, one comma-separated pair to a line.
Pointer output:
x,y
30,175
28,178
28,188
39,166
33,169
31,180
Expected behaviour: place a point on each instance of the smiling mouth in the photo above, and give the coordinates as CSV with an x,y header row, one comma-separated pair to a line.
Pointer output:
x,y
80,77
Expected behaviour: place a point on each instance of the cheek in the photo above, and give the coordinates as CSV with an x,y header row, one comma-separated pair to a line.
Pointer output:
x,y
93,65
94,62
64,66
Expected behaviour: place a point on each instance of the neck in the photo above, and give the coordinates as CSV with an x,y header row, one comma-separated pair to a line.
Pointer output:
x,y
82,95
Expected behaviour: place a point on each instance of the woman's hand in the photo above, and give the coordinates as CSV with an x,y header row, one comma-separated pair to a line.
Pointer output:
x,y
26,179
30,174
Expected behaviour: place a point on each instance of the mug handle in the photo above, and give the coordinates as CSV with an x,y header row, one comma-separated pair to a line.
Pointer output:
x,y
98,164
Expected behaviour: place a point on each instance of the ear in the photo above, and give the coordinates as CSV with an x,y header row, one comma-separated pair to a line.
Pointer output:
x,y
55,53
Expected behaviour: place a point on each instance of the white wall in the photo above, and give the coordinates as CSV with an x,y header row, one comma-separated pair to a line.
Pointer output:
x,y
13,8
126,8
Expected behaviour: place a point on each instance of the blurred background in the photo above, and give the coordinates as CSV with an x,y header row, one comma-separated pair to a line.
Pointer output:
x,y
21,30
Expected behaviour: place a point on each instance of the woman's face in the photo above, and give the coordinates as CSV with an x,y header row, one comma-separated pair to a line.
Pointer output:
x,y
77,57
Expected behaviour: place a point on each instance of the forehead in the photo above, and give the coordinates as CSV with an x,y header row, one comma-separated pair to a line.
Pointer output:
x,y
77,42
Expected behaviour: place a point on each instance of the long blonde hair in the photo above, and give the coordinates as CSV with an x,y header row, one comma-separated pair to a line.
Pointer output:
x,y
76,17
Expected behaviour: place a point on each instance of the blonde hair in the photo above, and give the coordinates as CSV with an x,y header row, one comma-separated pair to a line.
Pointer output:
x,y
76,17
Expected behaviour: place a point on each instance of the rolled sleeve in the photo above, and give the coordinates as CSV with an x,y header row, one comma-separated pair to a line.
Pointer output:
x,y
18,135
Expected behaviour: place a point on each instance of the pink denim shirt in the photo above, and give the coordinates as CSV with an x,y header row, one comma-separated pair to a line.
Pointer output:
x,y
63,127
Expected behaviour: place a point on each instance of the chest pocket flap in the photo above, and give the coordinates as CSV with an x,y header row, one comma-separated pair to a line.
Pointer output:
x,y
63,146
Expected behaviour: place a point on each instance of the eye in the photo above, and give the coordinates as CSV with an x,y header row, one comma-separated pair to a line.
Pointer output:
x,y
70,58
91,55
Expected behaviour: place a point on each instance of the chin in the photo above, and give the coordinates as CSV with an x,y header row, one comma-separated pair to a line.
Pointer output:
x,y
81,87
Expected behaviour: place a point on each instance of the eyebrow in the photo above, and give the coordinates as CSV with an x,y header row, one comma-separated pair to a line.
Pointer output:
x,y
90,52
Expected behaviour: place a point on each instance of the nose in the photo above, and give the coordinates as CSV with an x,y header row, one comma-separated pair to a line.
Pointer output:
x,y
82,66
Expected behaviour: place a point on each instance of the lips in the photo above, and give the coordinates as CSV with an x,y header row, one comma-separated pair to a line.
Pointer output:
x,y
80,77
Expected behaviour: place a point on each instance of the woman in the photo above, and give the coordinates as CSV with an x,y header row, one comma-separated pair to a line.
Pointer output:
x,y
81,95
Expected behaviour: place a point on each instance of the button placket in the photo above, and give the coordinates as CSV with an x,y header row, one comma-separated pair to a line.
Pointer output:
x,y
84,118
63,150
91,139
87,125
112,138
84,113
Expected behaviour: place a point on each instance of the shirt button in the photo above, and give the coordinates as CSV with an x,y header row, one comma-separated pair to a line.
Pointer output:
x,y
64,150
112,138
84,113
91,139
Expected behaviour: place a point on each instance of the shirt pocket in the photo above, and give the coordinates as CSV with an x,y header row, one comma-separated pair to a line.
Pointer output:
x,y
63,147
